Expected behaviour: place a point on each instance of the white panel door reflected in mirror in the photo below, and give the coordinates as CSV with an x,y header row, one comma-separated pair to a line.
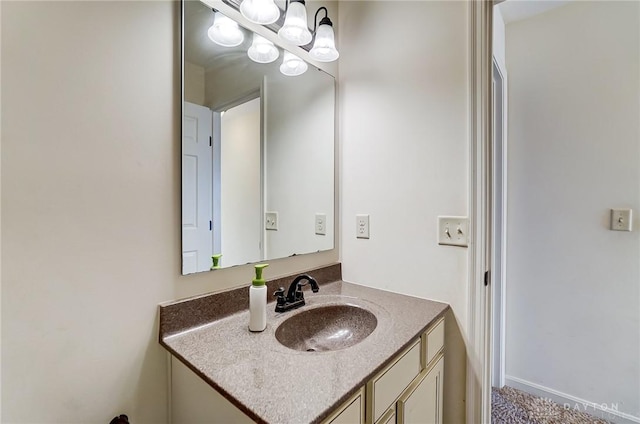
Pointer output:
x,y
271,149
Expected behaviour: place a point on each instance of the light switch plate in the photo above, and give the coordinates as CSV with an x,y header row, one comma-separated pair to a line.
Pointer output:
x,y
321,224
621,219
271,221
453,230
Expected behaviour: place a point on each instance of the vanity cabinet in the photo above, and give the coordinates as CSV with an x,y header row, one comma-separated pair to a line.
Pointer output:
x,y
408,390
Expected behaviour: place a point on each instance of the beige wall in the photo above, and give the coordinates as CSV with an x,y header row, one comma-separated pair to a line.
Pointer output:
x,y
91,209
90,192
404,136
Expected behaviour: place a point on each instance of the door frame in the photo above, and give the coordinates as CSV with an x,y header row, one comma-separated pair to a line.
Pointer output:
x,y
478,387
499,235
216,209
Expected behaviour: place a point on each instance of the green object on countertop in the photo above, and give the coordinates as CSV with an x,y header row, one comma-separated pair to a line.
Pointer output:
x,y
216,261
259,281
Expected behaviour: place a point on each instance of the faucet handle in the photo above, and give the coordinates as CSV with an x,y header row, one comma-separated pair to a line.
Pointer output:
x,y
279,294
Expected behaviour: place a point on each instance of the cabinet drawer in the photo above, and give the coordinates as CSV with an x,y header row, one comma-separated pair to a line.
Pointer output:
x,y
388,385
435,340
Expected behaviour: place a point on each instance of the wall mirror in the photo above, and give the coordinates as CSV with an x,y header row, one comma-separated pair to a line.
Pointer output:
x,y
257,152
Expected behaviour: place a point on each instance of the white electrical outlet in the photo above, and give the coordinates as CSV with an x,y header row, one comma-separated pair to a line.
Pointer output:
x,y
621,219
321,224
271,221
453,230
362,226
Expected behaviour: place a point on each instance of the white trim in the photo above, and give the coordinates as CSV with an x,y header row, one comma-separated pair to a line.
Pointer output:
x,y
505,217
500,285
216,187
603,411
263,167
478,390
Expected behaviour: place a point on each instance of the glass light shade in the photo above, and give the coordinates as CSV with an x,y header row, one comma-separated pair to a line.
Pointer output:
x,y
225,31
295,28
292,65
263,12
324,48
262,50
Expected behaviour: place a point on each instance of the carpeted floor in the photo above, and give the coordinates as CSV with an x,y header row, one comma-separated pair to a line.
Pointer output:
x,y
512,406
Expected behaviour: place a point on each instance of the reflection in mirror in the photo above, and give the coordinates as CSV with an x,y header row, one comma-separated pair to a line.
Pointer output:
x,y
257,153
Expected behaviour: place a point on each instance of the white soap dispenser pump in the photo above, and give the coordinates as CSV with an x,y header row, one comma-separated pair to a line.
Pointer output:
x,y
258,301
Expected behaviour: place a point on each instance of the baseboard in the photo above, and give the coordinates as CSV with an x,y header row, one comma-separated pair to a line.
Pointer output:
x,y
607,412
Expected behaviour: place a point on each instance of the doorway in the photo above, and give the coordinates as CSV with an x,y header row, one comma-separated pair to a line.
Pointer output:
x,y
573,155
196,188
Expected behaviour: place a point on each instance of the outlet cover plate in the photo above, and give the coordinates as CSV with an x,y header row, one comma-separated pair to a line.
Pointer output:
x,y
362,226
271,221
321,224
453,231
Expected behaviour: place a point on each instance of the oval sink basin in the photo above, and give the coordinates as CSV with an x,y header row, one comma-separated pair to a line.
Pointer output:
x,y
331,327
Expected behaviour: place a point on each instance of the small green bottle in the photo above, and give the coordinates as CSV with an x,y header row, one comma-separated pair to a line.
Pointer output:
x,y
216,261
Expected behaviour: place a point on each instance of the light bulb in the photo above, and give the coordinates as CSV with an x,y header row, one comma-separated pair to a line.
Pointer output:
x,y
295,28
225,31
324,47
262,50
292,65
263,12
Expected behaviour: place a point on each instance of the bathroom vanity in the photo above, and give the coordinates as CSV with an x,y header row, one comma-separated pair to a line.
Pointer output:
x,y
221,372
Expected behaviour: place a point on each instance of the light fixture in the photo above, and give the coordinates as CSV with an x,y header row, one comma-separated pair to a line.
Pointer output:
x,y
225,31
292,65
324,47
262,12
262,50
295,28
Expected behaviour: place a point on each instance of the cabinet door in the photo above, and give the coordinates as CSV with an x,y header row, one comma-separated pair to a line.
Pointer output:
x,y
423,404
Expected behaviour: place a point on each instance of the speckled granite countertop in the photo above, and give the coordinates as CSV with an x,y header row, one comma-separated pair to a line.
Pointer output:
x,y
274,384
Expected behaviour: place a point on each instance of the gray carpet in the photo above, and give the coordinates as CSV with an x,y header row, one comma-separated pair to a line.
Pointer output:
x,y
511,406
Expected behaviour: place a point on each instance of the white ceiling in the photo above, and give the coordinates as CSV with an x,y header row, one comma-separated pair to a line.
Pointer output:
x,y
515,10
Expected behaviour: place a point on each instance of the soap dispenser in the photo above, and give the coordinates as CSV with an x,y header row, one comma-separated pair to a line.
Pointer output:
x,y
258,301
216,261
